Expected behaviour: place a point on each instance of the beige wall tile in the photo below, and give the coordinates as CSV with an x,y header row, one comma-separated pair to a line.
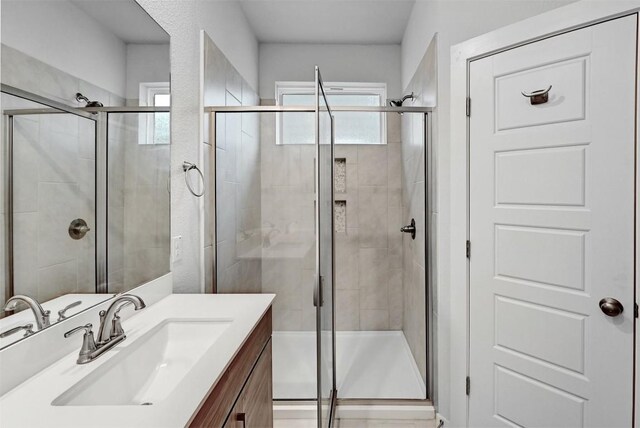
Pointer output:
x,y
374,319
372,216
347,310
372,165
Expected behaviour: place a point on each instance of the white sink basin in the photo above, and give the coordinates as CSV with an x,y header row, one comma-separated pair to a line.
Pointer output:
x,y
146,371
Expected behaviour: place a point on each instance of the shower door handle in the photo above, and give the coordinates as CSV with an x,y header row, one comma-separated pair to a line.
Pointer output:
x,y
317,293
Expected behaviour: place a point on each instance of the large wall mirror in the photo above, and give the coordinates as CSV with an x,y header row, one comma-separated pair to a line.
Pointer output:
x,y
85,157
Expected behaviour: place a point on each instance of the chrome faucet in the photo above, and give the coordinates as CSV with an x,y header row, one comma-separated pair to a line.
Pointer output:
x,y
110,320
42,316
110,332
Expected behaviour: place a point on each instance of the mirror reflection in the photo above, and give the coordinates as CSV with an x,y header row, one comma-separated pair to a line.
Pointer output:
x,y
85,157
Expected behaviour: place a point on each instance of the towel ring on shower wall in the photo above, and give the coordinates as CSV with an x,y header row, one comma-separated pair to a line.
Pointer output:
x,y
186,167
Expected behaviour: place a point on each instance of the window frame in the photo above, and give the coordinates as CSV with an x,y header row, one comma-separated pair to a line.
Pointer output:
x,y
146,121
332,88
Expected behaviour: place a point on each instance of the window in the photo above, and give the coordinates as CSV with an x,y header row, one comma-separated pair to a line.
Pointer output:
x,y
350,127
154,127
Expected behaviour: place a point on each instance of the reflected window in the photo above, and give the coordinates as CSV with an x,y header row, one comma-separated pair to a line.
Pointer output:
x,y
351,127
154,127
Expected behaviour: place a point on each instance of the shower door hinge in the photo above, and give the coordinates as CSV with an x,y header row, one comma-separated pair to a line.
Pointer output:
x,y
469,249
468,106
468,386
635,310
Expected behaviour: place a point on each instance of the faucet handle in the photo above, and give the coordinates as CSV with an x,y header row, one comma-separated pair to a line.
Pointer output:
x,y
88,342
87,330
62,312
28,331
116,325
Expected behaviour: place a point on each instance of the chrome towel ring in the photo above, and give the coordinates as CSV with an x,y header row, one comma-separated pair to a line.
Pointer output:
x,y
186,167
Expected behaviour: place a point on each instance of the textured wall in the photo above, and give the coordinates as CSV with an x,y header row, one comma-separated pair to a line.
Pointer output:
x,y
237,173
183,20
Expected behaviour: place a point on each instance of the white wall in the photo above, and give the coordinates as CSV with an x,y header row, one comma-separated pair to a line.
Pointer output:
x,y
228,28
453,21
24,22
338,63
146,63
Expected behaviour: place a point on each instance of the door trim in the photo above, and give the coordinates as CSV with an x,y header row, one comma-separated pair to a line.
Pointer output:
x,y
572,17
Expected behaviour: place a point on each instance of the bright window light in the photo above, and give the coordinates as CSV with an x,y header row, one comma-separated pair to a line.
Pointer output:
x,y
351,127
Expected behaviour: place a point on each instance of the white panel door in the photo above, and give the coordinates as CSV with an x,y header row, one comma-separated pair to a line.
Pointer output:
x,y
552,231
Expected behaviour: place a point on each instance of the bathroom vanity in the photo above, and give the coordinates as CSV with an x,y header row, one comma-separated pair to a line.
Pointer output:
x,y
188,360
243,395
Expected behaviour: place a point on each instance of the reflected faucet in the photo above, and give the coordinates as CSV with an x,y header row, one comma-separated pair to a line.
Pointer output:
x,y
267,239
28,331
42,316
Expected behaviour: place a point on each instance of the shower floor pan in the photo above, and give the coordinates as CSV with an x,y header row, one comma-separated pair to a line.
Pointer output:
x,y
369,365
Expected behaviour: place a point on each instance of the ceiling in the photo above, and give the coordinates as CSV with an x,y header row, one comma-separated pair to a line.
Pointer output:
x,y
328,21
124,18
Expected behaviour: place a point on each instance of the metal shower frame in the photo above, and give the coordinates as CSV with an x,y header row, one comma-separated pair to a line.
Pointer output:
x,y
100,117
213,111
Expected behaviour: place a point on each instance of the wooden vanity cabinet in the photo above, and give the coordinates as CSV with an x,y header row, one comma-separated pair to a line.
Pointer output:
x,y
243,396
254,407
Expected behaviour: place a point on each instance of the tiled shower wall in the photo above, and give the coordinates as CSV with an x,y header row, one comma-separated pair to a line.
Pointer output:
x,y
368,266
414,263
414,199
54,182
368,244
288,218
239,265
139,205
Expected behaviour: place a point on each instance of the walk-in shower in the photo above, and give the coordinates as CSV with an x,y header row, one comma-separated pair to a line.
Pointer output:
x,y
318,224
86,208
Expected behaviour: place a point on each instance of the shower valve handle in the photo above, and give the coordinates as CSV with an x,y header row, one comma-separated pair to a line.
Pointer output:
x,y
411,228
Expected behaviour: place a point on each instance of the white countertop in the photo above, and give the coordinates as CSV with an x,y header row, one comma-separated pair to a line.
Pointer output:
x,y
29,404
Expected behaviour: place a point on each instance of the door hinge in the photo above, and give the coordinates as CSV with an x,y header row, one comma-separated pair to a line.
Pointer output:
x,y
468,107
469,249
468,386
635,310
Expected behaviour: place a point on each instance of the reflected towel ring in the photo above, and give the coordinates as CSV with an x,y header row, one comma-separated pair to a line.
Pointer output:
x,y
186,167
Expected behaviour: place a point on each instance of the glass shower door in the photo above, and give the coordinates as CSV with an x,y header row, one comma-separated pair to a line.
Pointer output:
x,y
324,257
